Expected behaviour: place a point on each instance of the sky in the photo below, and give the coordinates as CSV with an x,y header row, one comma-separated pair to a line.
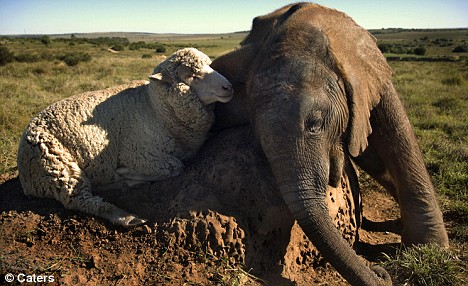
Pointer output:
x,y
209,16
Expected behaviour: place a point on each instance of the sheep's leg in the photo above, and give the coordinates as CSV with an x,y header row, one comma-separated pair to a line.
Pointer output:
x,y
49,170
81,198
150,169
132,178
78,196
87,202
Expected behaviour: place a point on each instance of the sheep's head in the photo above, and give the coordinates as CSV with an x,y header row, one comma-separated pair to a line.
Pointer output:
x,y
192,67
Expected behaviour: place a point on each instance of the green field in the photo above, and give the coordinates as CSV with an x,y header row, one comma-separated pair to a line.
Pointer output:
x,y
434,93
437,43
41,78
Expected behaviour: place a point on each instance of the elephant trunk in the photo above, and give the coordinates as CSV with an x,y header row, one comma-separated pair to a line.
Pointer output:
x,y
304,193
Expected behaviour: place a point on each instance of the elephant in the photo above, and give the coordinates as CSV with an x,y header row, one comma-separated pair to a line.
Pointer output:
x,y
317,92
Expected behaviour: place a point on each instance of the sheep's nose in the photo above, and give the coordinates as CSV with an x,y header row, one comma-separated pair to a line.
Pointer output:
x,y
227,87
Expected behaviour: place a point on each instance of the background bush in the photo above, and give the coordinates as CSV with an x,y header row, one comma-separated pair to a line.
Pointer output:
x,y
27,58
5,56
45,40
419,51
137,46
161,49
460,49
118,47
72,59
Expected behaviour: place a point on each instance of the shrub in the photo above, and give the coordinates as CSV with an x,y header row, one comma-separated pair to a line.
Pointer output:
x,y
393,48
137,45
114,41
118,47
5,56
146,56
460,49
161,49
385,48
440,41
45,40
27,58
419,51
72,59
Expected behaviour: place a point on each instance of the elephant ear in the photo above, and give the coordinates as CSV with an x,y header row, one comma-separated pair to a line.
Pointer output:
x,y
366,75
361,65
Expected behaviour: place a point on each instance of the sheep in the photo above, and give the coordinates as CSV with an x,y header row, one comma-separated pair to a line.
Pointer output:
x,y
138,132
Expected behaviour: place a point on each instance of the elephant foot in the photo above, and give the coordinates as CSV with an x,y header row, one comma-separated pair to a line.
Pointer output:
x,y
425,229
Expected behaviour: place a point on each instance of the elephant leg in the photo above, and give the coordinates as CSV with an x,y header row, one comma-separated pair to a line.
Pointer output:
x,y
394,159
372,163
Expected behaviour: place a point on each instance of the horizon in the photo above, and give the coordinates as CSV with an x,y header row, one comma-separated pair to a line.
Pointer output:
x,y
205,34
54,17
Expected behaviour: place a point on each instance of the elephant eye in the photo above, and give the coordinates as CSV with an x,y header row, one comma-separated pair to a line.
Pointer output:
x,y
314,123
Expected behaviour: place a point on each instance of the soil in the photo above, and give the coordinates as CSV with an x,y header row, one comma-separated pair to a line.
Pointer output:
x,y
222,222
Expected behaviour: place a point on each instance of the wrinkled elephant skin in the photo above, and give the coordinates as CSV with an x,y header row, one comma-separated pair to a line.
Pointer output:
x,y
318,93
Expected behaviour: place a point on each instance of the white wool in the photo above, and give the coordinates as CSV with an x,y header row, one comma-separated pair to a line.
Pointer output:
x,y
131,133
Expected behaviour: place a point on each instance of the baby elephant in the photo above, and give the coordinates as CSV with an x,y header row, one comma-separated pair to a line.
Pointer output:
x,y
133,133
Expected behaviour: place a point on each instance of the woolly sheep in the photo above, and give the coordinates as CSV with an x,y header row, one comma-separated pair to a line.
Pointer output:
x,y
133,133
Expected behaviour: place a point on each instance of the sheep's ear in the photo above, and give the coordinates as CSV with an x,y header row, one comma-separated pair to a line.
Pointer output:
x,y
156,76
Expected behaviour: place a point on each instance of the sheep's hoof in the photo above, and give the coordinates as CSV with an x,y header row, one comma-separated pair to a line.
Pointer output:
x,y
131,221
120,217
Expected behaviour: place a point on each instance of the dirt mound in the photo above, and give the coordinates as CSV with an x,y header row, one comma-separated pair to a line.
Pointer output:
x,y
224,215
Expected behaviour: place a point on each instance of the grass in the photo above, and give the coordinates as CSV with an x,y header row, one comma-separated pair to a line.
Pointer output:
x,y
435,95
228,273
437,42
436,99
427,265
28,87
